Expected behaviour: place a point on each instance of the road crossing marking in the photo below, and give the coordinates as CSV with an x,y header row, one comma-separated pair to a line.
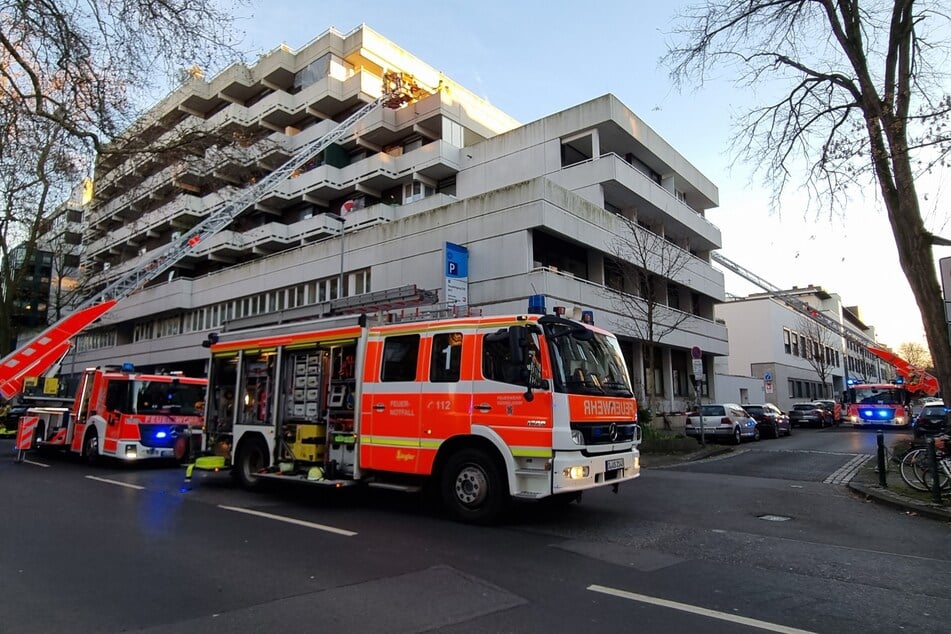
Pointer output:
x,y
713,614
116,482
289,520
847,471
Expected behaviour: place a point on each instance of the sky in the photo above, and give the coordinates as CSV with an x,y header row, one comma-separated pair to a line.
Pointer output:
x,y
533,58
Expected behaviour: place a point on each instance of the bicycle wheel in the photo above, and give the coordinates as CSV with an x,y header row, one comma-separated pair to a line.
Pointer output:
x,y
913,468
928,473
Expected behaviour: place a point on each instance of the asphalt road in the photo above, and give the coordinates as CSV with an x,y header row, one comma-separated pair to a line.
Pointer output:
x,y
765,538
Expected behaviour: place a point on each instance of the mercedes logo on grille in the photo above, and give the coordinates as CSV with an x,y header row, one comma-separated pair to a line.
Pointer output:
x,y
612,432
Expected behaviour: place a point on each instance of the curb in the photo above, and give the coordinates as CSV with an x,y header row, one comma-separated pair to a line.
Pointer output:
x,y
895,500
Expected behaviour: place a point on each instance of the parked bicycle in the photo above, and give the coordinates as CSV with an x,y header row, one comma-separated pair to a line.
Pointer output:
x,y
919,473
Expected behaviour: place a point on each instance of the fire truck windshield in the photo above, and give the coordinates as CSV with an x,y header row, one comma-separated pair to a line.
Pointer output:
x,y
587,362
878,395
160,397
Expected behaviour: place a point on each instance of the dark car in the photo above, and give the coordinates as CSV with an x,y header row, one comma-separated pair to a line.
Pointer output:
x,y
769,419
11,418
933,419
810,414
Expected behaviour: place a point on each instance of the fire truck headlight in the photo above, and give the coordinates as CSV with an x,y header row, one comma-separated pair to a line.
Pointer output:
x,y
577,437
577,473
900,420
130,451
854,418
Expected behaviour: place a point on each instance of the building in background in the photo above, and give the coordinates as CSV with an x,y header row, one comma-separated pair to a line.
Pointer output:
x,y
795,357
533,210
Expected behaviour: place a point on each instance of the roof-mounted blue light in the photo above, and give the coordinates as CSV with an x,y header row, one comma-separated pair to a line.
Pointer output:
x,y
128,366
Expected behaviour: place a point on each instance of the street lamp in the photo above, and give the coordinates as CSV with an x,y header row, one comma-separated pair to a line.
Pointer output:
x,y
345,208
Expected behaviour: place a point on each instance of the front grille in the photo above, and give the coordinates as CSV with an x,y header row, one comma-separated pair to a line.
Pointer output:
x,y
606,433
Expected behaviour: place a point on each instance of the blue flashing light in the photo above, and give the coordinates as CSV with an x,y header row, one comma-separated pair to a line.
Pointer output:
x,y
587,317
884,413
128,366
160,434
536,304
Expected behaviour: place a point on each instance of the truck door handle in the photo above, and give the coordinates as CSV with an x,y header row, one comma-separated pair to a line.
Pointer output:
x,y
483,407
379,407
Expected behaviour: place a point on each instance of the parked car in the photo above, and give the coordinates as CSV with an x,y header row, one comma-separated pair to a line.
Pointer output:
x,y
721,421
933,419
834,407
770,420
810,414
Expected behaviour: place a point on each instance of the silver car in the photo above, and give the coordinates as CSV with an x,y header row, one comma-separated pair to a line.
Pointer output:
x,y
721,421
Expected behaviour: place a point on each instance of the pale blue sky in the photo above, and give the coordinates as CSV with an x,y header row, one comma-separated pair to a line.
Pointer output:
x,y
533,58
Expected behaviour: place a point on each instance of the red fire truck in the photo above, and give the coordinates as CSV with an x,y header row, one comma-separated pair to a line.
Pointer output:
x,y
879,404
120,414
484,408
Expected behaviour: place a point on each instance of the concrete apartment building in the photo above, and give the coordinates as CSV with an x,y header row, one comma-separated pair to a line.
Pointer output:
x,y
790,353
536,206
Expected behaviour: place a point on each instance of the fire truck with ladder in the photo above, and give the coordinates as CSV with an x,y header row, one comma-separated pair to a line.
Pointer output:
x,y
116,413
482,408
81,427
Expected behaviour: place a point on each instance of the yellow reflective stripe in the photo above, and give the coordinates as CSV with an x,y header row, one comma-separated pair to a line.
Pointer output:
x,y
430,444
389,441
531,452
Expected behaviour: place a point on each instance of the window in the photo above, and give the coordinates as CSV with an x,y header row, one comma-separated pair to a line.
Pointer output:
x,y
496,359
786,345
446,357
399,358
795,344
416,191
453,133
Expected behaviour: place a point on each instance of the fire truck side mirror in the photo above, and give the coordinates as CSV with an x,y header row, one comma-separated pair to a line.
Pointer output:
x,y
210,341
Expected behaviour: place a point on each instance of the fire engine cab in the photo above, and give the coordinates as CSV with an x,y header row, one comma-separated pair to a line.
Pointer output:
x,y
484,408
121,414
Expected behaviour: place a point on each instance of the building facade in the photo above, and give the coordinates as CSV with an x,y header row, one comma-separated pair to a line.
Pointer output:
x,y
797,358
538,208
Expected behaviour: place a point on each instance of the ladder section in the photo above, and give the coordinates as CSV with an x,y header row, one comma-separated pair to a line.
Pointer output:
x,y
796,304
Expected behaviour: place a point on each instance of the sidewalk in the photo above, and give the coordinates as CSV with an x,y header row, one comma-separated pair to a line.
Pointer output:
x,y
865,483
897,494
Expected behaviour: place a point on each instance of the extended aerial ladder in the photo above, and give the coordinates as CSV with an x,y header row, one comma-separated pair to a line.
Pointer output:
x,y
922,380
46,349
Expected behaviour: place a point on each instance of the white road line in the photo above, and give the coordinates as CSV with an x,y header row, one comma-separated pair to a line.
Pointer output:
x,y
36,464
713,614
847,471
290,520
116,482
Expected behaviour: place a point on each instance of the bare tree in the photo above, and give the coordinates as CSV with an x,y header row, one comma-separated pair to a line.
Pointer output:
x,y
644,269
915,354
72,77
864,99
818,342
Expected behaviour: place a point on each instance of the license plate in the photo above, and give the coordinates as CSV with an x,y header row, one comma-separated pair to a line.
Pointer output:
x,y
613,464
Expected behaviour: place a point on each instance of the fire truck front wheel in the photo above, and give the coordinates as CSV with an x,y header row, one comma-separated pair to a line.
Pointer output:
x,y
473,489
252,458
91,448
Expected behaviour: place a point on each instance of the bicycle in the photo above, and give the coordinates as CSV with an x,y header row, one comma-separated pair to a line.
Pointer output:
x,y
917,471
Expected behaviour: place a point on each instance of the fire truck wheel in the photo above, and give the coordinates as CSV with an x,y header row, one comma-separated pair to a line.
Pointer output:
x,y
472,487
252,458
91,448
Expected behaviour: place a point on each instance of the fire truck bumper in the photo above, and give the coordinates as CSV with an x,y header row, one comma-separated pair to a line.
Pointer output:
x,y
132,451
573,471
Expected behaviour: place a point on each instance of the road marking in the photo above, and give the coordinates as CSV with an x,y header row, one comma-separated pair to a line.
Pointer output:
x,y
290,520
36,464
847,471
116,482
693,609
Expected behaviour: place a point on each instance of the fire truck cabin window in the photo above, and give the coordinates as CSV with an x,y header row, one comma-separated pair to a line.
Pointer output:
x,y
497,360
446,358
399,358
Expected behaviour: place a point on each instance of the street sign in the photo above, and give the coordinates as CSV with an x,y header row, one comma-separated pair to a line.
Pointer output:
x,y
768,377
696,353
697,367
769,387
